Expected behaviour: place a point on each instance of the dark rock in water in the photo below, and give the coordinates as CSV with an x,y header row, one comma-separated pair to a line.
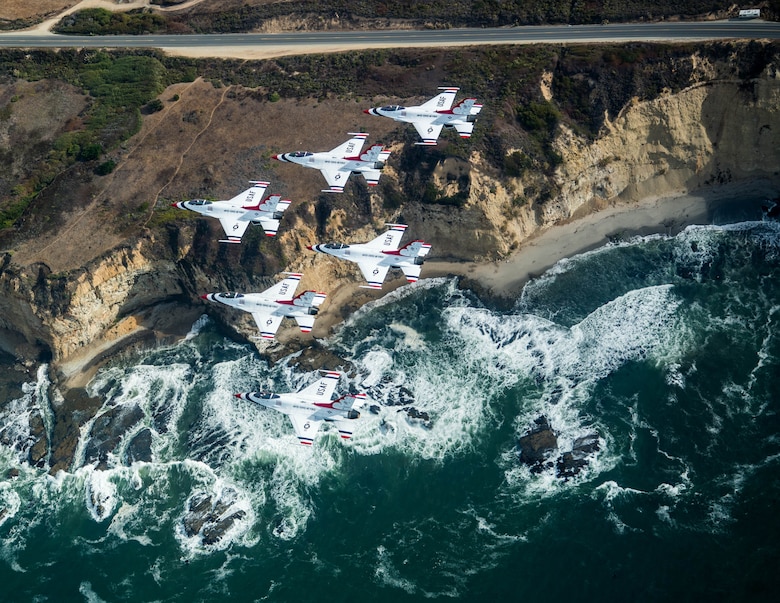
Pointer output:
x,y
539,450
108,430
214,533
313,356
12,472
571,463
586,444
77,408
538,445
209,518
419,415
140,447
772,209
40,449
401,397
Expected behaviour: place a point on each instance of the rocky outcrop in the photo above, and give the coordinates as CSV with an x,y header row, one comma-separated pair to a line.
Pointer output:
x,y
208,517
539,450
107,432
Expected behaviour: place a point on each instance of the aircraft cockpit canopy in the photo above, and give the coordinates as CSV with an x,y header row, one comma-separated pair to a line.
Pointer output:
x,y
336,246
393,108
266,396
231,295
301,154
200,202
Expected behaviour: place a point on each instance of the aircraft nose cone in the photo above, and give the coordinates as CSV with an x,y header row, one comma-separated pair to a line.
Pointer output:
x,y
310,247
238,396
204,296
368,111
275,157
174,205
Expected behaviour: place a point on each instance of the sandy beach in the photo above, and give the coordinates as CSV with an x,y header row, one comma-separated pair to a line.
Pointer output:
x,y
667,214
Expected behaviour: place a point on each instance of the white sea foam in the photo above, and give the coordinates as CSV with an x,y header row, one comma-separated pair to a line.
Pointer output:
x,y
100,494
90,596
202,321
386,573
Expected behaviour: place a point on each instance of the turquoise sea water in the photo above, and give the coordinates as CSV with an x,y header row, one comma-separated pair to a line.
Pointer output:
x,y
667,347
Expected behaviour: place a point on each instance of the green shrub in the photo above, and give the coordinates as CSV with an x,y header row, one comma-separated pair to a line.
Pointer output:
x,y
105,168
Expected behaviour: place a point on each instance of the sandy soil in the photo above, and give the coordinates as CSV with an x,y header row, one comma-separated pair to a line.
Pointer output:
x,y
662,214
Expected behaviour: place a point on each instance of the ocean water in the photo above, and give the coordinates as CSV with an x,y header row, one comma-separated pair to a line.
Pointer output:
x,y
667,347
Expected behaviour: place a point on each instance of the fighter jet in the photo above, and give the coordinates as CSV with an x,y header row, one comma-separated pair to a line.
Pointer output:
x,y
311,406
430,117
376,257
237,213
337,165
272,305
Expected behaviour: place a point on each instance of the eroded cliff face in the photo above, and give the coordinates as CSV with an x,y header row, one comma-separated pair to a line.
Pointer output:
x,y
716,131
77,317
711,133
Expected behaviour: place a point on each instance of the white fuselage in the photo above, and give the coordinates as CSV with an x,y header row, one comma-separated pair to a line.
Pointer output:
x,y
221,209
326,161
360,253
255,302
413,114
292,404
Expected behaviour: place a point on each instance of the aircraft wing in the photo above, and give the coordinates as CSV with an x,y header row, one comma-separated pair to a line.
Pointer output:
x,y
234,229
305,428
336,179
283,290
270,225
305,322
352,147
371,176
374,273
344,427
465,130
321,391
442,101
389,240
267,323
250,196
429,132
412,272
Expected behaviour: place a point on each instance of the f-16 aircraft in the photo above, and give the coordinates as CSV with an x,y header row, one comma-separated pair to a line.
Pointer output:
x,y
311,406
337,165
430,117
272,305
376,257
237,213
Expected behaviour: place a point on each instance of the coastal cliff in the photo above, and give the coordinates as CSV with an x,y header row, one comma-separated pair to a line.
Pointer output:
x,y
99,282
718,130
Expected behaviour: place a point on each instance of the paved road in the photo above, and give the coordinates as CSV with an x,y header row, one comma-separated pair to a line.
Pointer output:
x,y
303,42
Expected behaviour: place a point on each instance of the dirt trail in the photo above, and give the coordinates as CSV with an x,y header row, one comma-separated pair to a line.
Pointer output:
x,y
187,150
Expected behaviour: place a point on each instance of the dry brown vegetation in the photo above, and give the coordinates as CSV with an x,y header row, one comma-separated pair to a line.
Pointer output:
x,y
36,10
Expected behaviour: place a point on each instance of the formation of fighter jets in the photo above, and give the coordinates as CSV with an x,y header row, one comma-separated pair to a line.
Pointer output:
x,y
312,406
